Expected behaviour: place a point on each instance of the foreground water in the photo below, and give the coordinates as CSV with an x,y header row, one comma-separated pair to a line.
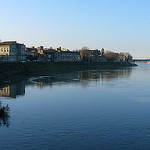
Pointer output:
x,y
107,109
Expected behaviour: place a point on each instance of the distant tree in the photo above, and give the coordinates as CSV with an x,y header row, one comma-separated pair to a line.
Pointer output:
x,y
102,51
129,56
121,56
125,56
111,56
85,48
85,53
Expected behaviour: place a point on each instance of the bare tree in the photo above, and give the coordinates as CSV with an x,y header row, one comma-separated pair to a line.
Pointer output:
x,y
85,48
121,56
102,52
129,57
125,56
85,53
111,56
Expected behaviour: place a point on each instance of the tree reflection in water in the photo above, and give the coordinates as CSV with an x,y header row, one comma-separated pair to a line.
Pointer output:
x,y
4,115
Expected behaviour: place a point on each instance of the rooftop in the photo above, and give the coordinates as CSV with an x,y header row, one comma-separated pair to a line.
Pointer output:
x,y
7,43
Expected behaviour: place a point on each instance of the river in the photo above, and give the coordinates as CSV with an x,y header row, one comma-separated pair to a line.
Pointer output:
x,y
87,110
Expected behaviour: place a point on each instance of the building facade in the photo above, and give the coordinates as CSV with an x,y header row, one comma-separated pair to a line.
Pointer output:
x,y
67,56
12,51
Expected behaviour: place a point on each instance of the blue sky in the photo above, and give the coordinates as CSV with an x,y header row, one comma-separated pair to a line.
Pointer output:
x,y
117,25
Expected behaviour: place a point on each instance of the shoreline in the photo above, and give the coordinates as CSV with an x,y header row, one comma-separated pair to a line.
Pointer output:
x,y
13,70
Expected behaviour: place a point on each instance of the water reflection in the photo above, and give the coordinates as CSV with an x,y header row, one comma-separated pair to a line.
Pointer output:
x,y
4,115
13,90
80,77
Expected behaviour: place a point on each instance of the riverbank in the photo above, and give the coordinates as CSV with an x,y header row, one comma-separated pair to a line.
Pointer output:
x,y
18,70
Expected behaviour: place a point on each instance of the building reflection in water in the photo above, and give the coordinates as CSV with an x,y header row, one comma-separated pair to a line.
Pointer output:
x,y
80,77
13,90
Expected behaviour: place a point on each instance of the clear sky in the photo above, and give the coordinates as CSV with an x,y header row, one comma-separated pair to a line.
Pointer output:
x,y
117,25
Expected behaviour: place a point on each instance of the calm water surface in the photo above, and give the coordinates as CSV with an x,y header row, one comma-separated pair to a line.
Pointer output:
x,y
107,109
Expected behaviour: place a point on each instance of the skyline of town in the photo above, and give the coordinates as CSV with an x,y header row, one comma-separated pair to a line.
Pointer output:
x,y
115,25
12,51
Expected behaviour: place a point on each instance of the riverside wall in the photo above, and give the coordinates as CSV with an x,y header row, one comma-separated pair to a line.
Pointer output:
x,y
25,69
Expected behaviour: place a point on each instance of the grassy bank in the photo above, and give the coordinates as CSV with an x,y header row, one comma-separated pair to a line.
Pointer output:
x,y
11,70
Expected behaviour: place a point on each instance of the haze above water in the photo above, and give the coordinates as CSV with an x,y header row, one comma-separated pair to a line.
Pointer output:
x,y
107,109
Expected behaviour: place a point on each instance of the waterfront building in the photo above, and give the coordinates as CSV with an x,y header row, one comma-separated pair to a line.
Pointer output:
x,y
49,55
11,51
67,56
95,55
40,50
58,49
31,53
